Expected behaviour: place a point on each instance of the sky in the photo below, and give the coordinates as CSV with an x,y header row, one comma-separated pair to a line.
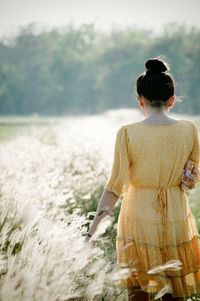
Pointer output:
x,y
105,14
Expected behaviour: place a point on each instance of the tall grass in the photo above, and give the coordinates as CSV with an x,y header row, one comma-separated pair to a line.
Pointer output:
x,y
51,179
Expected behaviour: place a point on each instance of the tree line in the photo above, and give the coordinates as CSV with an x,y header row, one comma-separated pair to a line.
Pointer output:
x,y
85,71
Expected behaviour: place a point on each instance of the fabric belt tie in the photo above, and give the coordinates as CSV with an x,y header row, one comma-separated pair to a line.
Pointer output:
x,y
160,205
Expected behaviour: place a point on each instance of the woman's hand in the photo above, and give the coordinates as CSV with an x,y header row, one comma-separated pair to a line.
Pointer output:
x,y
88,240
190,175
106,204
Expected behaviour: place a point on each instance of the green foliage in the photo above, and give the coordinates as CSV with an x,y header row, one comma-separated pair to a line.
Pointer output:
x,y
86,71
6,245
17,248
194,204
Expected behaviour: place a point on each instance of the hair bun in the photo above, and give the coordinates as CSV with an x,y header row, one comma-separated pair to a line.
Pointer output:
x,y
156,66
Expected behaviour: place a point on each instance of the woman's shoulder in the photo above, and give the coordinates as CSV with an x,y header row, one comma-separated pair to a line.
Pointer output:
x,y
190,123
182,122
139,128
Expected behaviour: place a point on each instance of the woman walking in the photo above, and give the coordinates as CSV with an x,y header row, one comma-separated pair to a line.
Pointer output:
x,y
155,223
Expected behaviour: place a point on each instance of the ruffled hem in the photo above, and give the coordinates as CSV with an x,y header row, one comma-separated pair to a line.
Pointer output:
x,y
142,257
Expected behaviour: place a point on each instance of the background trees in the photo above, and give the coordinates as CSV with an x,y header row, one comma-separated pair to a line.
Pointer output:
x,y
76,71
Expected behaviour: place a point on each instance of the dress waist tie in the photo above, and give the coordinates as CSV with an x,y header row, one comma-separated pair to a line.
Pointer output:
x,y
160,205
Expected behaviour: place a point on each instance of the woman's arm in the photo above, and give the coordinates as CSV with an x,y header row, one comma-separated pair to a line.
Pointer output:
x,y
118,179
192,166
106,204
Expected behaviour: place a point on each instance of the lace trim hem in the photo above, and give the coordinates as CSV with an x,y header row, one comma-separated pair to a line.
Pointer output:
x,y
156,246
161,274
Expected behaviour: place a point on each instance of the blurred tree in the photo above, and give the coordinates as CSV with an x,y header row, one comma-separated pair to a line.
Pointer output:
x,y
81,70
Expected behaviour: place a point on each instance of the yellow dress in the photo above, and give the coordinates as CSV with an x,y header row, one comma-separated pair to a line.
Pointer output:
x,y
155,223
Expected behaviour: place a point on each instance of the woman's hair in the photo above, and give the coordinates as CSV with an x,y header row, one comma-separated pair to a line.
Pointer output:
x,y
156,84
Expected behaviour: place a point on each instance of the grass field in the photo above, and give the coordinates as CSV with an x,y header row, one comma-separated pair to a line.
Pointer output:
x,y
52,175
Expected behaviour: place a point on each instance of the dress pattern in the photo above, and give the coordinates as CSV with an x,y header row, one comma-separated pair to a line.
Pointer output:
x,y
155,223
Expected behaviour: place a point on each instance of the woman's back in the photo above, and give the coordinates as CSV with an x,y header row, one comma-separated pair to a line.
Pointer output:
x,y
152,154
158,152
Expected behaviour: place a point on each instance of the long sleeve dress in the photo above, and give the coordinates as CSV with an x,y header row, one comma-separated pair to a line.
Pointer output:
x,y
155,223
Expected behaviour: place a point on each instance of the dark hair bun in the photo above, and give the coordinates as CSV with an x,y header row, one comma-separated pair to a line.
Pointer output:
x,y
156,66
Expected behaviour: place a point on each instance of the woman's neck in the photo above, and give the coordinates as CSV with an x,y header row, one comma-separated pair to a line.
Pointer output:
x,y
157,116
155,113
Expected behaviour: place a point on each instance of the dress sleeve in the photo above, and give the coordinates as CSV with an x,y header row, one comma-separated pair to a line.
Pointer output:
x,y
195,153
119,177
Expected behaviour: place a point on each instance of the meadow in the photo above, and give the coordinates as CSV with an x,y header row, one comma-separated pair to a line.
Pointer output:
x,y
53,171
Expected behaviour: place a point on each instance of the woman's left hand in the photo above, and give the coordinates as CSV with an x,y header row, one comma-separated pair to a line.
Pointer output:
x,y
190,175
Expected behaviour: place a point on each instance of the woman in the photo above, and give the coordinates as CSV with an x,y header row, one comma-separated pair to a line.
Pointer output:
x,y
155,223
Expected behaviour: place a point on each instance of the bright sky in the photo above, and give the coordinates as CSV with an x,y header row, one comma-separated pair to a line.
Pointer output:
x,y
104,13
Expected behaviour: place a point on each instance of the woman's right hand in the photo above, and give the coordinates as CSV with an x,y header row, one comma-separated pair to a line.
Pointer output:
x,y
88,239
